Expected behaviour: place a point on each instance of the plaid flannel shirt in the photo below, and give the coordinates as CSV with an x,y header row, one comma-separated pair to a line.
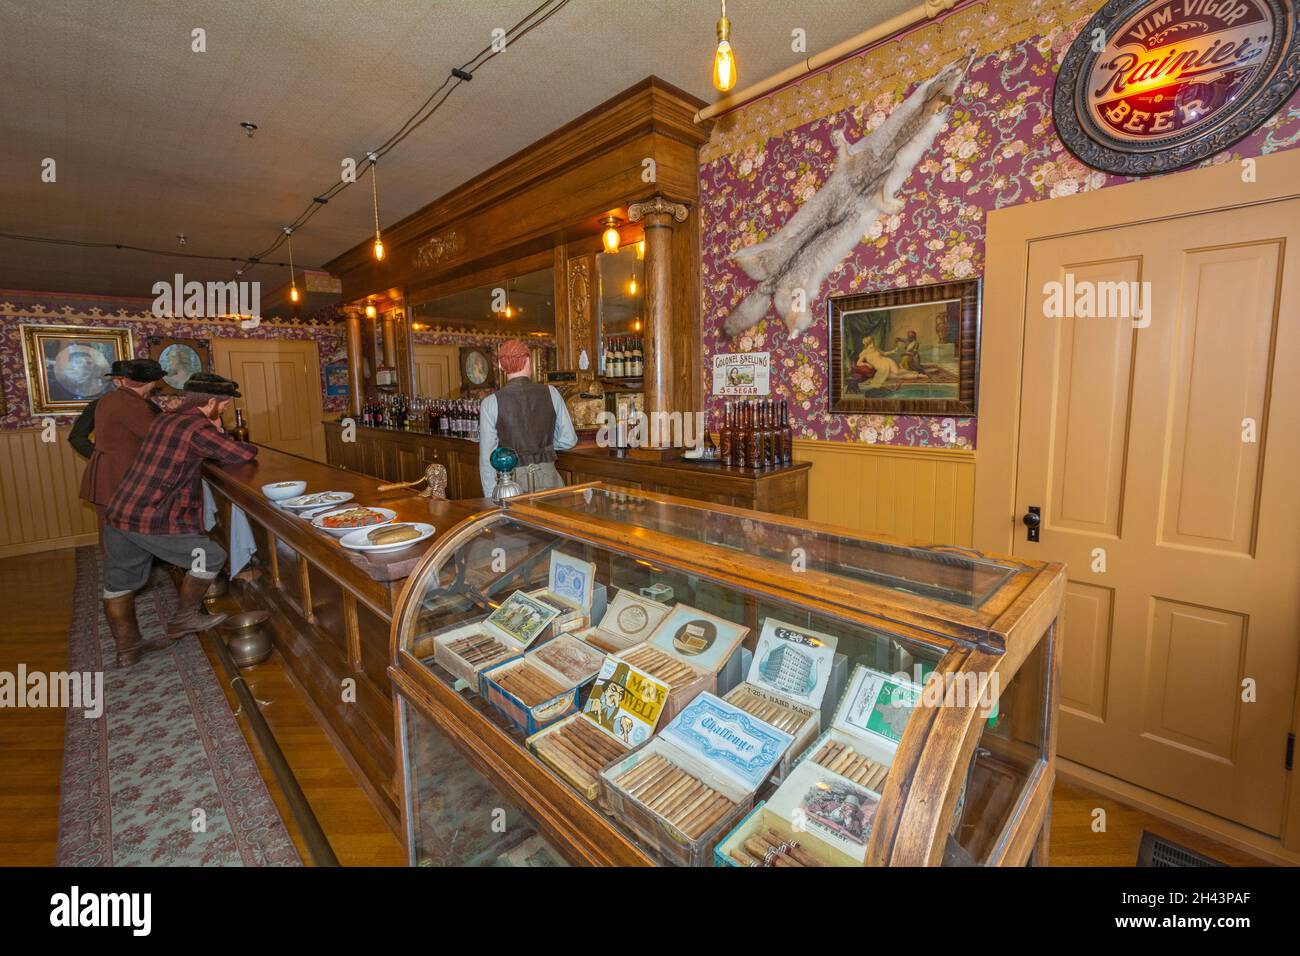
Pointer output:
x,y
162,492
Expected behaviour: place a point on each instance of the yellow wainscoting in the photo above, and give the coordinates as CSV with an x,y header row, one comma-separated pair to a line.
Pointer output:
x,y
39,507
923,494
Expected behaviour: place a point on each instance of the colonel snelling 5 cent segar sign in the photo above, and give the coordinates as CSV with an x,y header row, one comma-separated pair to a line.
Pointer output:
x,y
1148,87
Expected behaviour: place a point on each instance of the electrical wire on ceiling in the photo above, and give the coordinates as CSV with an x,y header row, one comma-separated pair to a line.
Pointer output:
x,y
455,79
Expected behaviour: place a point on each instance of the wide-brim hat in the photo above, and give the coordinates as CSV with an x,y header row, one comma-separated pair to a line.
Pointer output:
x,y
137,370
206,383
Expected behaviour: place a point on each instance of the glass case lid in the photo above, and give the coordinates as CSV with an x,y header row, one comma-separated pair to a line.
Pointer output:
x,y
957,578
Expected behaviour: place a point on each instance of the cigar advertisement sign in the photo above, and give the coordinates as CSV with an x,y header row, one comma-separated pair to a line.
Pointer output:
x,y
1148,87
625,702
741,373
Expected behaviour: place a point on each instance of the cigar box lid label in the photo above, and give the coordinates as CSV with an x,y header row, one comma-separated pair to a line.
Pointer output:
x,y
633,618
826,806
569,657
735,744
793,662
625,702
520,619
698,638
877,705
572,579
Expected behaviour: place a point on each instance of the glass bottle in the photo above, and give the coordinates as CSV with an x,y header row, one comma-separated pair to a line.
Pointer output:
x,y
724,435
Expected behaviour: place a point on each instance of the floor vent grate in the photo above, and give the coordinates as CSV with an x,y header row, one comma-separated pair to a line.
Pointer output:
x,y
1158,851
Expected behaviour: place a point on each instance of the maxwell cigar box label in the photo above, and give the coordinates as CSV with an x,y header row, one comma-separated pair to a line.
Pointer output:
x,y
625,703
877,705
733,743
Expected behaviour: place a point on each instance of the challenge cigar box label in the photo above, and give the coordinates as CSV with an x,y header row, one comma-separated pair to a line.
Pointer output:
x,y
794,662
736,744
878,705
625,702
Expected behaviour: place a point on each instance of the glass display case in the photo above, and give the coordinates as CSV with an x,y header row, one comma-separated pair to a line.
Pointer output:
x,y
594,675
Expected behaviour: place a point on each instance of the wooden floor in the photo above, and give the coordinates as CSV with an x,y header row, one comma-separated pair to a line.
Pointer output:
x,y
34,622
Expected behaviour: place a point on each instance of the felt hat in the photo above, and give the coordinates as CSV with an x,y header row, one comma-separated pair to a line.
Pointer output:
x,y
206,383
137,370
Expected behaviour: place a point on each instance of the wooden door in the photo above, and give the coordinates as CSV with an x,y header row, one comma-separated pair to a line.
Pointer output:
x,y
280,382
437,371
1164,460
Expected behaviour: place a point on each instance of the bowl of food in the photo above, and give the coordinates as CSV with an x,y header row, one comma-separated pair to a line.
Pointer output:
x,y
283,490
343,521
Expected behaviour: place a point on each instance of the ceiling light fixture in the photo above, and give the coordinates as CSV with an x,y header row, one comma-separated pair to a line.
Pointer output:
x,y
249,128
610,237
293,286
374,190
370,310
640,249
631,284
724,61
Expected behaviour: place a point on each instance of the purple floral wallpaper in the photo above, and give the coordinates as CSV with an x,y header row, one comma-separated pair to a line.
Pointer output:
x,y
999,149
50,309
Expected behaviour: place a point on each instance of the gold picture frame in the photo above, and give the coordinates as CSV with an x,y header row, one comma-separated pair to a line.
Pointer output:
x,y
66,365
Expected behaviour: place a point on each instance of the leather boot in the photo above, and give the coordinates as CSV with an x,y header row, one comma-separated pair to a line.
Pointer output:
x,y
120,612
190,617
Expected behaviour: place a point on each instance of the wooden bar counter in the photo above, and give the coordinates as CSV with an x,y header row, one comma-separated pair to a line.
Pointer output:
x,y
331,609
403,455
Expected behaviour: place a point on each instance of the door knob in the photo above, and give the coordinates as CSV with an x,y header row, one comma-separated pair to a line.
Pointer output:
x,y
1032,519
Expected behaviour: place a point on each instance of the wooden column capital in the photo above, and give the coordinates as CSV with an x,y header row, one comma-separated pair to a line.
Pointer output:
x,y
658,207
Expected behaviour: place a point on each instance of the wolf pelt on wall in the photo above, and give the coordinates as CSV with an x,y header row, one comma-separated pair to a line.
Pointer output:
x,y
791,266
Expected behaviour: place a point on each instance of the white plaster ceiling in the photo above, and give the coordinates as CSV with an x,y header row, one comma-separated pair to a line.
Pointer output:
x,y
146,133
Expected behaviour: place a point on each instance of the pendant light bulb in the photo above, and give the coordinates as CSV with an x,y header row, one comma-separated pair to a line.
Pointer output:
x,y
374,192
631,285
379,248
610,236
640,249
370,311
293,285
724,61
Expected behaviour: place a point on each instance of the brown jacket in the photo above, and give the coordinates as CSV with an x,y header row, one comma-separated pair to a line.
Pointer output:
x,y
122,419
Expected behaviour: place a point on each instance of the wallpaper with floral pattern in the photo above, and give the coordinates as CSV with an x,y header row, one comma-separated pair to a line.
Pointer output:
x,y
999,148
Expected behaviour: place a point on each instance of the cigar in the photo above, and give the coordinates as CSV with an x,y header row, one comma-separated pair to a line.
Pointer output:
x,y
651,779
598,741
771,855
702,821
629,778
696,802
743,858
794,849
577,756
841,761
574,742
556,756
657,788
829,752
878,777
667,802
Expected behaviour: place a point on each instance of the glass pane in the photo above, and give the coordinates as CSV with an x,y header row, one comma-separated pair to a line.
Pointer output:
x,y
524,305
508,555
953,578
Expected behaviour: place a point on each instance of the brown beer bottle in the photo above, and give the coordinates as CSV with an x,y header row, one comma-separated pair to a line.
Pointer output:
x,y
739,441
787,435
754,437
724,435
240,431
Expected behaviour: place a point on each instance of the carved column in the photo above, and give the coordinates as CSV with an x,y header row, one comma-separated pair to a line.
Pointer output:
x,y
352,342
659,215
581,326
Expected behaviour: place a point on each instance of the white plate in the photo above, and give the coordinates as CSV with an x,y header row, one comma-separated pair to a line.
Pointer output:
x,y
357,541
388,514
313,500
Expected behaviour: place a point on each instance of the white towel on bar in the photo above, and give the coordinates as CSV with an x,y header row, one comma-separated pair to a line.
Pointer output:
x,y
242,545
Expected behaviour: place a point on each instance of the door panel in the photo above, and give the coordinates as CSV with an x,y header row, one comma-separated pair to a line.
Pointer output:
x,y
437,370
280,382
1177,524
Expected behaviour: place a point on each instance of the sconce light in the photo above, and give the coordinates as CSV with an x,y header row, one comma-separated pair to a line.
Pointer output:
x,y
610,236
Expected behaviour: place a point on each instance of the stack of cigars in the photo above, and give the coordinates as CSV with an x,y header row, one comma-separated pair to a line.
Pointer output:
x,y
528,683
842,759
580,749
779,716
769,848
658,664
479,650
690,805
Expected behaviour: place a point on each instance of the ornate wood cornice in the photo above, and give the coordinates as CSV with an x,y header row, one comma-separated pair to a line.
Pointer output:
x,y
659,206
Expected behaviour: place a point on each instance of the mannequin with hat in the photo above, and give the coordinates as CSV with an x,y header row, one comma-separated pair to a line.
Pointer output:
x,y
119,420
526,416
157,512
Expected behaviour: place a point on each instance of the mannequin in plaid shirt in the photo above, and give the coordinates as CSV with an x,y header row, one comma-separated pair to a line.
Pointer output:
x,y
157,512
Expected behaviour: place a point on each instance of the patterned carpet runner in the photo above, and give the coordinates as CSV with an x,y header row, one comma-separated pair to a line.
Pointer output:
x,y
163,777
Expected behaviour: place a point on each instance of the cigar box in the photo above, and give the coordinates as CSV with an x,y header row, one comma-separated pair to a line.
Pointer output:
x,y
760,827
790,670
517,623
628,620
871,715
710,746
564,662
571,590
624,706
827,811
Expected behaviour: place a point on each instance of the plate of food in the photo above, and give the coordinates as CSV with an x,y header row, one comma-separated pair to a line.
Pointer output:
x,y
317,499
388,537
342,521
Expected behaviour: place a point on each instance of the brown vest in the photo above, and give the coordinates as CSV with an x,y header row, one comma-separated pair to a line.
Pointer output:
x,y
526,420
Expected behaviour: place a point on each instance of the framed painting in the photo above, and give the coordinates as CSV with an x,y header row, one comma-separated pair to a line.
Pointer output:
x,y
67,365
477,367
180,358
905,351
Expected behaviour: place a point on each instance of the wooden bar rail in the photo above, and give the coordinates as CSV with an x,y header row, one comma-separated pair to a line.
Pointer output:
x,y
403,456
331,609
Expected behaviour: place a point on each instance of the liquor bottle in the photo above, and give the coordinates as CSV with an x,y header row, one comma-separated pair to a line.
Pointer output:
x,y
638,359
724,435
609,357
473,421
240,431
620,359
764,433
787,435
739,443
772,440
620,434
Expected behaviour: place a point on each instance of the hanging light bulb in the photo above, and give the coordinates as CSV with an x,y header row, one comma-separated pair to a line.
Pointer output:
x,y
640,249
724,62
370,310
374,191
631,284
293,285
610,235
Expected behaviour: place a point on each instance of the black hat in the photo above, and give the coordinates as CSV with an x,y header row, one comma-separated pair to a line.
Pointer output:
x,y
137,370
209,384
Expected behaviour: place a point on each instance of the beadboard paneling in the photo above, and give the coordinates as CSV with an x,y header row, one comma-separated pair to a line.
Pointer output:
x,y
923,494
39,507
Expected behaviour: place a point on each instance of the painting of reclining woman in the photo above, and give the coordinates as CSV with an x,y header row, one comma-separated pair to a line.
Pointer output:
x,y
905,351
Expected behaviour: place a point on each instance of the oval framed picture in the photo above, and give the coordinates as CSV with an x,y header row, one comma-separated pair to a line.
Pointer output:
x,y
475,367
1149,87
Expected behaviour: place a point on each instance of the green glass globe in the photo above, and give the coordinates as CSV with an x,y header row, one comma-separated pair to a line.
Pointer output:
x,y
504,459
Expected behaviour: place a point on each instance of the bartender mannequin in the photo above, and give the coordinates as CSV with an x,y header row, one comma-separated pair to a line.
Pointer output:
x,y
526,416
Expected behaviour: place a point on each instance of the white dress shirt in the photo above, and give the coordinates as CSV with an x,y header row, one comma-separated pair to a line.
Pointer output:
x,y
565,437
